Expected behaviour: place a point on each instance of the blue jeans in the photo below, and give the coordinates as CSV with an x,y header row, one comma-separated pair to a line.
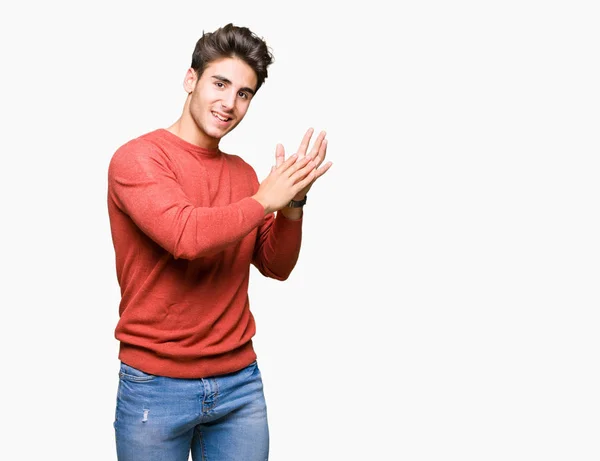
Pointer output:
x,y
223,418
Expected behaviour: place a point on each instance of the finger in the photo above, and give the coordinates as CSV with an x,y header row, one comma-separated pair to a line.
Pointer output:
x,y
322,153
288,163
302,171
305,182
305,142
321,171
316,148
279,155
301,164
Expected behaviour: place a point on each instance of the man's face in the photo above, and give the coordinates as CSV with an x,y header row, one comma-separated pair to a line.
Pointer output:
x,y
221,97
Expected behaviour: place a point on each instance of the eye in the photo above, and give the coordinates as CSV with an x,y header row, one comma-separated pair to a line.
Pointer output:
x,y
220,84
243,95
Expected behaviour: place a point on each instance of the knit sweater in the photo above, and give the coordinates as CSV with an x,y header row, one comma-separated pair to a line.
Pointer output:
x,y
185,231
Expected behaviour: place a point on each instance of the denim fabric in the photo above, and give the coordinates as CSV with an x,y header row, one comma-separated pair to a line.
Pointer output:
x,y
223,418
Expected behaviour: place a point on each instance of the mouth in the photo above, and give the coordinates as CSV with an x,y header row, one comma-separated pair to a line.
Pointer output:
x,y
221,117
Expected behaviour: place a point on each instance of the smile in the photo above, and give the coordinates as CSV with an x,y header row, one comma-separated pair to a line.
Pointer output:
x,y
220,117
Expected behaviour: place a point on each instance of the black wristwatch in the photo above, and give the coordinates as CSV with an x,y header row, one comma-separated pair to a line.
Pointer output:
x,y
297,203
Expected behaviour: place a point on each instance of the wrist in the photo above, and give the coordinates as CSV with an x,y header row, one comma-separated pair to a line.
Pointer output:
x,y
297,202
291,213
299,197
263,203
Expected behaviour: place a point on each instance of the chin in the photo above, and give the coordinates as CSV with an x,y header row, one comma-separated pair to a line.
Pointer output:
x,y
219,133
216,134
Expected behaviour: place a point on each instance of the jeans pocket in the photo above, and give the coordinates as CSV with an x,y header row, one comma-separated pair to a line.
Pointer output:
x,y
129,373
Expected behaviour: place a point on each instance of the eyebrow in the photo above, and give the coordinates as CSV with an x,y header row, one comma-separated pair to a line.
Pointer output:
x,y
226,80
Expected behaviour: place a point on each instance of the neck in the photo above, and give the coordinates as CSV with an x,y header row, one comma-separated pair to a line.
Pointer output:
x,y
186,129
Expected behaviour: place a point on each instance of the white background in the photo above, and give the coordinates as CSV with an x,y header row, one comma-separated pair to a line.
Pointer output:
x,y
445,305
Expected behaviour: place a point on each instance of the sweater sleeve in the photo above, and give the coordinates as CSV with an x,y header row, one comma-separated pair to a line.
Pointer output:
x,y
144,188
278,246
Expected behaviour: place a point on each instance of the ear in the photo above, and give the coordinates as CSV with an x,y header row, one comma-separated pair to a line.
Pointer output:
x,y
190,80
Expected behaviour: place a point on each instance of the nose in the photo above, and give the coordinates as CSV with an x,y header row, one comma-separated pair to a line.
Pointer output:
x,y
228,100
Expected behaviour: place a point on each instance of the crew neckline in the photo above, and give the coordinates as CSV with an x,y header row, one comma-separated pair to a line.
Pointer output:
x,y
187,145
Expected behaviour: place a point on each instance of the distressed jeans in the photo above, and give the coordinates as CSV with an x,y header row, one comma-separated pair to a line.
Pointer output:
x,y
222,418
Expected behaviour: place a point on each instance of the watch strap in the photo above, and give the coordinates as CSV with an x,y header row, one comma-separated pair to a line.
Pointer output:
x,y
297,203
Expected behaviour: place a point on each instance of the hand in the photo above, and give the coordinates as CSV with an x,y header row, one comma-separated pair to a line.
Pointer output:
x,y
317,155
285,181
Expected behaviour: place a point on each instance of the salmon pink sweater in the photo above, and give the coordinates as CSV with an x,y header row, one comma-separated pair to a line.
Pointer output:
x,y
185,231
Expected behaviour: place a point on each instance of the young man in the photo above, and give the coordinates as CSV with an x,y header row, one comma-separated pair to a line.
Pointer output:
x,y
187,220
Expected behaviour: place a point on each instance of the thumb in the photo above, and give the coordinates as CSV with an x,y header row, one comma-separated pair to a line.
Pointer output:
x,y
279,155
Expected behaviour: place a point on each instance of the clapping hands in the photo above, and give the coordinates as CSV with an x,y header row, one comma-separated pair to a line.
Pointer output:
x,y
316,155
292,178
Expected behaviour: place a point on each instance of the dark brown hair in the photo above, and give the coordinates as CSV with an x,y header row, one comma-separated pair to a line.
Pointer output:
x,y
233,41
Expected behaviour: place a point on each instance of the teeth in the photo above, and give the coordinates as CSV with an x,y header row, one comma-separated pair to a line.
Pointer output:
x,y
219,117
